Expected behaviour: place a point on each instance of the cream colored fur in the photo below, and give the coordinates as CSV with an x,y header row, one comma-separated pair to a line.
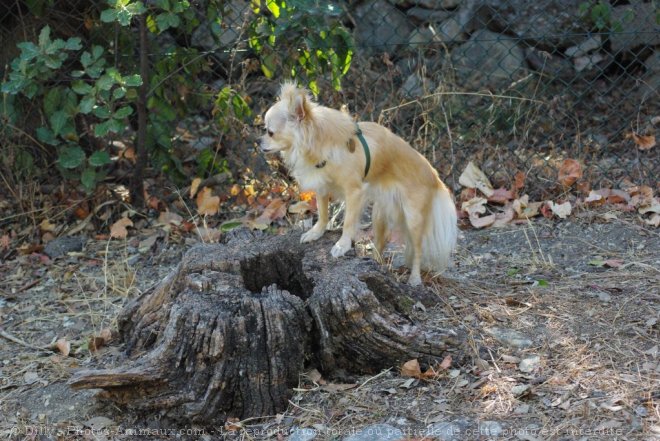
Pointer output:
x,y
404,188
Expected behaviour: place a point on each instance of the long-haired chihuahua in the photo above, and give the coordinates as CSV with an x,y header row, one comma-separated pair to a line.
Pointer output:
x,y
329,153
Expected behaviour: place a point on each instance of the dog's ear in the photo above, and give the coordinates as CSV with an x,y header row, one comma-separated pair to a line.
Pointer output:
x,y
300,106
297,99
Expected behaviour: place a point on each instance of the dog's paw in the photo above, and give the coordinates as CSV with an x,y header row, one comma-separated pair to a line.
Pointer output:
x,y
340,248
415,280
311,235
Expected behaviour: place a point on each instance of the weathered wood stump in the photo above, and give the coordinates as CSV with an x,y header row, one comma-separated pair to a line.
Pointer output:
x,y
229,332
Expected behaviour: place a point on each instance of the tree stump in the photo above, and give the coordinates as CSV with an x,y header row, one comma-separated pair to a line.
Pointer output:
x,y
229,332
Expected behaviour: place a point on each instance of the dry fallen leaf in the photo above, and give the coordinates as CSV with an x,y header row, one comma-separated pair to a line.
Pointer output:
x,y
446,363
640,195
46,226
474,206
275,210
194,186
643,142
618,197
569,172
560,210
473,177
307,196
653,207
411,369
501,196
118,229
519,181
4,242
504,217
482,222
594,198
207,204
169,217
63,346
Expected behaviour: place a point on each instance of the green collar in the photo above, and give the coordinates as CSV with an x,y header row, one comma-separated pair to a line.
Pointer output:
x,y
365,146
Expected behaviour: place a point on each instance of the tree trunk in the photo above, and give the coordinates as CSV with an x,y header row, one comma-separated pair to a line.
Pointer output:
x,y
229,332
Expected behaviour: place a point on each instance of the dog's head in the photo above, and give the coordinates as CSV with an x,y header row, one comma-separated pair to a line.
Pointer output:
x,y
285,120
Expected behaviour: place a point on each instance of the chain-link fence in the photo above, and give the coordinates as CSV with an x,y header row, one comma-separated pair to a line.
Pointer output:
x,y
512,85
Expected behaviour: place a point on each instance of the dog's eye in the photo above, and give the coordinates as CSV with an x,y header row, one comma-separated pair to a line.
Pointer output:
x,y
270,133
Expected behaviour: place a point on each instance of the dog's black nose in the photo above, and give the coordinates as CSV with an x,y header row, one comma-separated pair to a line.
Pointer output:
x,y
262,147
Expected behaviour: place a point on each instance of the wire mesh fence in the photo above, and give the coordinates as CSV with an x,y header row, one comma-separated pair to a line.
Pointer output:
x,y
511,85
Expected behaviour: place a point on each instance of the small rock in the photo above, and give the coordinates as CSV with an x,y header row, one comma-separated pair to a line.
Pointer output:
x,y
522,409
423,15
380,432
519,389
636,25
529,364
509,337
383,28
63,245
584,47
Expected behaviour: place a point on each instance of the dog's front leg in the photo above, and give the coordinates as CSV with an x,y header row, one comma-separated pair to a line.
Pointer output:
x,y
321,224
354,200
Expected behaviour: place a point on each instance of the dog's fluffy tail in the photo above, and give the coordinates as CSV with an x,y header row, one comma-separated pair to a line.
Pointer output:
x,y
442,230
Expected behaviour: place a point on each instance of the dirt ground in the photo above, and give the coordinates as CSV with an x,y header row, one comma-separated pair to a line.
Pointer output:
x,y
563,342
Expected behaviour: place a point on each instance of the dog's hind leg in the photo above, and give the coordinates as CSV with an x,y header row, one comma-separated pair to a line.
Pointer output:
x,y
415,226
321,224
379,224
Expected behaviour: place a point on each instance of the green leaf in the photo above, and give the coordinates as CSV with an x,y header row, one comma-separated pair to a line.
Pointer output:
x,y
124,17
88,179
86,104
44,37
136,8
97,51
105,82
45,135
99,158
73,44
597,262
111,125
151,24
71,156
133,80
29,50
230,225
542,283
102,129
58,120
109,16
119,93
12,87
273,7
167,20
123,112
86,59
81,88
31,90
102,112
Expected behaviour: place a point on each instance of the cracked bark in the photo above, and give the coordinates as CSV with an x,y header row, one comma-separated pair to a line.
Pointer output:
x,y
229,332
